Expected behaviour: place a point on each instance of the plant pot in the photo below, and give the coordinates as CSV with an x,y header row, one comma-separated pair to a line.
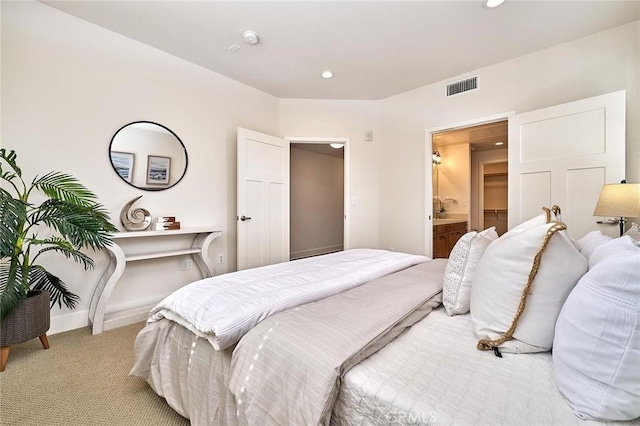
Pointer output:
x,y
30,319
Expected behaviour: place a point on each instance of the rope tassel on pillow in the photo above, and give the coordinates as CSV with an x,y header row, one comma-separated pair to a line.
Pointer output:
x,y
488,344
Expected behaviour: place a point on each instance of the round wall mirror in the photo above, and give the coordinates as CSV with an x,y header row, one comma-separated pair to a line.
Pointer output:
x,y
148,156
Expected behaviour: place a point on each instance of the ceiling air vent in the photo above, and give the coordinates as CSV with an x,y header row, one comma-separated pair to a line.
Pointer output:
x,y
462,86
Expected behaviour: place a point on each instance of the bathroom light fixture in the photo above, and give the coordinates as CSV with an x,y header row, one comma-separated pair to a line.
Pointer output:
x,y
336,145
436,158
327,74
492,4
250,37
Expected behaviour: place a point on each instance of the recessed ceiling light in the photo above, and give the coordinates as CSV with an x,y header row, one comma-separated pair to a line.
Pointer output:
x,y
492,4
327,74
499,143
336,145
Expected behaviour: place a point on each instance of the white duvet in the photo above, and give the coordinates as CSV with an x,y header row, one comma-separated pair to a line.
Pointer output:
x,y
223,308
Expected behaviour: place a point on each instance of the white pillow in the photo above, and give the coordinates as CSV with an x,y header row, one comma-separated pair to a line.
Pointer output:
x,y
531,223
501,278
552,214
590,241
634,231
460,270
596,350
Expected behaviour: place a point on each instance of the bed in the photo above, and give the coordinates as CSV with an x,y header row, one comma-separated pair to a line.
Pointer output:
x,y
188,361
380,351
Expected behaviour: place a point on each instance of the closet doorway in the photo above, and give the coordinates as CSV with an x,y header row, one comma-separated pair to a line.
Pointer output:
x,y
319,182
493,195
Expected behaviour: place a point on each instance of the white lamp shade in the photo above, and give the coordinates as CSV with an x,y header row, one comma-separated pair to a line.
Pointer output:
x,y
619,200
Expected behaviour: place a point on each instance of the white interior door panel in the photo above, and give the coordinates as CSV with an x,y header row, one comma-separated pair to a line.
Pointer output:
x,y
263,199
563,155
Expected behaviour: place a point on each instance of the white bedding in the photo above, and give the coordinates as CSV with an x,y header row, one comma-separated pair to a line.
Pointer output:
x,y
222,309
187,371
434,375
286,370
430,375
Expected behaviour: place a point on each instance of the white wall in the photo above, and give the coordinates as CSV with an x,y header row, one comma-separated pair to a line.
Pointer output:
x,y
69,85
598,64
345,119
453,177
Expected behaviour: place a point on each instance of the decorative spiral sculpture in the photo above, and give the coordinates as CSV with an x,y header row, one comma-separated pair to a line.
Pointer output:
x,y
135,220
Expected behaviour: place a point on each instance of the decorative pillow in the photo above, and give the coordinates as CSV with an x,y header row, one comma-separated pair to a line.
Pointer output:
x,y
590,241
541,219
531,223
512,311
596,350
460,270
634,231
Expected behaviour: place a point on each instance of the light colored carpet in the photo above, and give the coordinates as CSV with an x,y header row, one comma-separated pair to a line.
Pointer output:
x,y
81,380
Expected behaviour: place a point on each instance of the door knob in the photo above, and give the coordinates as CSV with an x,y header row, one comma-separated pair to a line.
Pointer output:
x,y
243,218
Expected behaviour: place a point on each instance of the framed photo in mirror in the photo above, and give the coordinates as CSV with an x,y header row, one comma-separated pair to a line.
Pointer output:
x,y
158,168
123,163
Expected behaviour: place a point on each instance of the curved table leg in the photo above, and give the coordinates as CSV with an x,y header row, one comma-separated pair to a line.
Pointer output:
x,y
202,259
103,291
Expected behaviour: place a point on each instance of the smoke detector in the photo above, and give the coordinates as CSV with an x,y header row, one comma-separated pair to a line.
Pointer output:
x,y
250,37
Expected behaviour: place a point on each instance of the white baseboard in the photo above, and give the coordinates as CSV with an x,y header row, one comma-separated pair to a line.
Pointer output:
x,y
130,316
70,321
315,251
116,316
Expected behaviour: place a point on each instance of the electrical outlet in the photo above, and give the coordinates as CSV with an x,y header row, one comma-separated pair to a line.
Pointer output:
x,y
187,264
220,258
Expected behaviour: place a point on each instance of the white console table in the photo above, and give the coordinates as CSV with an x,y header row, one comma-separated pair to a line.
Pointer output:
x,y
199,251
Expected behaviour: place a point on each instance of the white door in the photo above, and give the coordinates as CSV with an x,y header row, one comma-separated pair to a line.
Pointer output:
x,y
263,199
563,155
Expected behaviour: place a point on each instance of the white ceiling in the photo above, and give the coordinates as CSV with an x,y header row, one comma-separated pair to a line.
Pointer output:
x,y
375,48
481,138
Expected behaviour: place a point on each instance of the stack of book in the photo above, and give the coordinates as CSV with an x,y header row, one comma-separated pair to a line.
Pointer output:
x,y
165,223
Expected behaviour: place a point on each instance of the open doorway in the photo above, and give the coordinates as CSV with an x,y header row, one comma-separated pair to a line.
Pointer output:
x,y
469,181
317,197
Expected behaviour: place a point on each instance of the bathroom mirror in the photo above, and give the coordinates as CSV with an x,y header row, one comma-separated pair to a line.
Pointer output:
x,y
148,156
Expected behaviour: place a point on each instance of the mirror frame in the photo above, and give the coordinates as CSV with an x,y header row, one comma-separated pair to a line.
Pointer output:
x,y
186,156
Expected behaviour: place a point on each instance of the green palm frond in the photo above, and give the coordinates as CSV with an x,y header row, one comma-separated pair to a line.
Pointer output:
x,y
61,245
41,279
11,287
64,187
10,158
71,210
13,213
84,226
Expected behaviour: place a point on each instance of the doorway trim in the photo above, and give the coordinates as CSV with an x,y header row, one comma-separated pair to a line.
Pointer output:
x,y
428,202
347,174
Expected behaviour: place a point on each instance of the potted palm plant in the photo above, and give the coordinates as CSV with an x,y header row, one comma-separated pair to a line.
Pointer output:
x,y
72,220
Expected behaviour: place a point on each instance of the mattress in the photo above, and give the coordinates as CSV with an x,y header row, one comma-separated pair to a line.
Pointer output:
x,y
434,375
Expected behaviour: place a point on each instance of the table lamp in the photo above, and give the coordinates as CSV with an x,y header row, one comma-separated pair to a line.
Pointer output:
x,y
619,200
